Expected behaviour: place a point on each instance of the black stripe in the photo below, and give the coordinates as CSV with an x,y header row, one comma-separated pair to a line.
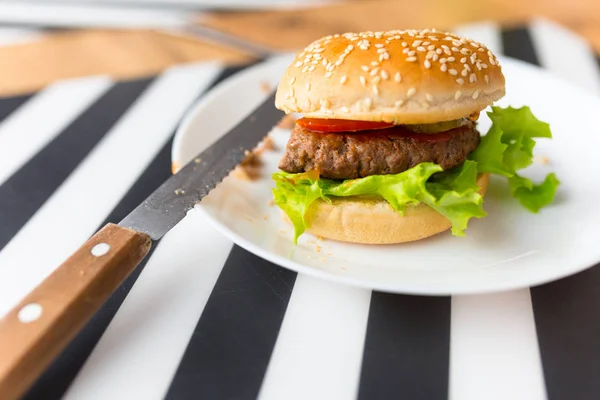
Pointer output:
x,y
55,381
230,348
407,348
8,105
27,190
517,43
568,328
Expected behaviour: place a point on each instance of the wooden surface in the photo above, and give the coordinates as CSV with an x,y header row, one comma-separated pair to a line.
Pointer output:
x,y
124,54
67,299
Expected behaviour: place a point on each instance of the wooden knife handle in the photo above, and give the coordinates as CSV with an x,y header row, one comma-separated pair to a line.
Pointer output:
x,y
34,332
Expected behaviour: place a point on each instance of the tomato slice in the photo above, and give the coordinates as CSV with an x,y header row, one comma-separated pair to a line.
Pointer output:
x,y
340,125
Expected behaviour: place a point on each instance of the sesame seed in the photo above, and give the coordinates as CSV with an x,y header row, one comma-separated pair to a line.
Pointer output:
x,y
444,67
319,50
404,44
362,80
375,89
466,52
464,72
447,52
311,68
475,94
456,42
456,49
443,60
411,59
467,67
399,103
343,79
314,62
376,79
484,65
298,64
411,91
411,53
473,78
339,62
328,74
453,72
481,49
486,78
325,103
345,110
324,62
292,92
445,47
384,56
473,58
292,80
384,75
381,51
425,44
379,45
305,68
431,47
463,60
438,51
427,64
368,103
463,40
365,68
492,61
417,43
374,63
406,50
435,57
451,59
457,95
308,86
397,77
478,65
420,48
475,44
374,71
429,97
460,81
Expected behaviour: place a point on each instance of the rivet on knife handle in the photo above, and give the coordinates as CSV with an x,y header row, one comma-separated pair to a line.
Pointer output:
x,y
34,332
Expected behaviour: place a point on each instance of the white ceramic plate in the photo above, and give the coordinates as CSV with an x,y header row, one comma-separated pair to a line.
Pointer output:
x,y
510,248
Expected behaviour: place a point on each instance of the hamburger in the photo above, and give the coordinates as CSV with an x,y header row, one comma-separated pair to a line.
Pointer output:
x,y
386,149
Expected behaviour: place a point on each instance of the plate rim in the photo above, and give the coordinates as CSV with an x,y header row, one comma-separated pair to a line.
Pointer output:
x,y
215,92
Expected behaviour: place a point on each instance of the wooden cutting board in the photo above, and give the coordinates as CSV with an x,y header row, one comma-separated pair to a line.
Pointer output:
x,y
125,54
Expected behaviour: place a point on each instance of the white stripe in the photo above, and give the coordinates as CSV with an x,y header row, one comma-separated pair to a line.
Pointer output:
x,y
77,15
320,345
87,196
493,348
565,54
141,349
486,33
10,36
37,122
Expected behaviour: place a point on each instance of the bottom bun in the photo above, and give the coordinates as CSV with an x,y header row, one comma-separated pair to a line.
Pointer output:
x,y
374,221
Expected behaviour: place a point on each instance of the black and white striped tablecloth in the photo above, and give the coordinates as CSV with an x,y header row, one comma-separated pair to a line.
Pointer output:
x,y
202,318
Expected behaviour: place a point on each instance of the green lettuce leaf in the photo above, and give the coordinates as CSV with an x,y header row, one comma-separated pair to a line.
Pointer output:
x,y
453,193
508,147
505,149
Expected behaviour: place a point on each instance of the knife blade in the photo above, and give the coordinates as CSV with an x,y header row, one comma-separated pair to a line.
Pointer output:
x,y
164,208
36,330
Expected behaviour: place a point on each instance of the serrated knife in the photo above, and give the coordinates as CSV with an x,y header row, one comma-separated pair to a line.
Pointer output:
x,y
34,332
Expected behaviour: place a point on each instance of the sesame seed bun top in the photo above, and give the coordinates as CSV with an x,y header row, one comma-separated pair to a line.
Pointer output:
x,y
405,77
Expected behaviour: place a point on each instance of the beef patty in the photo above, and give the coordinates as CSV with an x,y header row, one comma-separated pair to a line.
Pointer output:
x,y
387,151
